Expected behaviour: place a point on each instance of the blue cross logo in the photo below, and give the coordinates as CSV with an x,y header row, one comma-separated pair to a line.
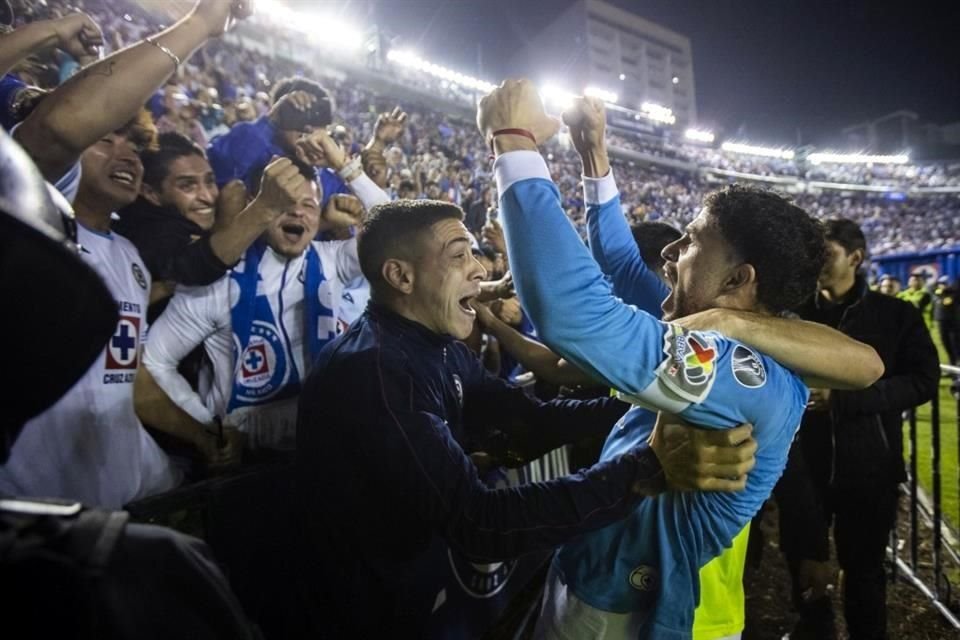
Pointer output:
x,y
124,342
253,360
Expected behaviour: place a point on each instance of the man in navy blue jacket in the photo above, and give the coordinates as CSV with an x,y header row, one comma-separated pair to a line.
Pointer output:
x,y
389,412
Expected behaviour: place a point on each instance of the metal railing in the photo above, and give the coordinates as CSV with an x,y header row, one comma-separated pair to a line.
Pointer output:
x,y
933,582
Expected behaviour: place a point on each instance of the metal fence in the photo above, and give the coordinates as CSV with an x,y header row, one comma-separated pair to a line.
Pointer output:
x,y
928,528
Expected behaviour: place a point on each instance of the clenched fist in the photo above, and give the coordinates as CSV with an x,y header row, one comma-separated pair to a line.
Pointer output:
x,y
587,119
343,210
515,104
319,149
281,186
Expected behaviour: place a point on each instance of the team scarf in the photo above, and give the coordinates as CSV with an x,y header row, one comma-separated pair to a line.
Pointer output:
x,y
265,370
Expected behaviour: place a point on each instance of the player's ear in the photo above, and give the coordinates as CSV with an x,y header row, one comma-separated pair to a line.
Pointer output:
x,y
399,274
743,275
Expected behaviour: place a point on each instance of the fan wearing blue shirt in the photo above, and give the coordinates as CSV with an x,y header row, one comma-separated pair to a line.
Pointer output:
x,y
748,250
299,106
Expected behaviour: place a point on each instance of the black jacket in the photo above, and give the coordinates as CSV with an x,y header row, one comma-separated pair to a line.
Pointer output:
x,y
860,440
173,247
385,418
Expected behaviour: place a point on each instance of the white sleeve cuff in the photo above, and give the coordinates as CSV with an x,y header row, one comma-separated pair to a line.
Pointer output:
x,y
367,191
515,166
599,190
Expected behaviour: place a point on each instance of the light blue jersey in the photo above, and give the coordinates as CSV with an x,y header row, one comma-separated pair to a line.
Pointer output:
x,y
647,564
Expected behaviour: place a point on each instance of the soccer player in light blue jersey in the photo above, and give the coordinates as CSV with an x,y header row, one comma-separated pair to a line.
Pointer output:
x,y
748,250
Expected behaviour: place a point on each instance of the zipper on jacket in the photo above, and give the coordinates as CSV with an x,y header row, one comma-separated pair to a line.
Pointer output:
x,y
883,434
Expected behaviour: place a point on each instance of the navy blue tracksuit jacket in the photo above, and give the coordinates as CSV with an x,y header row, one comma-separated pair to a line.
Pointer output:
x,y
383,477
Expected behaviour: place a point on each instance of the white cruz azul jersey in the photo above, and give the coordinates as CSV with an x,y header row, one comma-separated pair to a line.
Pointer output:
x,y
90,446
274,361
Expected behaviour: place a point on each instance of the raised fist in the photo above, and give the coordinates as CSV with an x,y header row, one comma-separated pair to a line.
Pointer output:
x,y
281,186
515,104
343,210
78,35
218,16
319,149
587,119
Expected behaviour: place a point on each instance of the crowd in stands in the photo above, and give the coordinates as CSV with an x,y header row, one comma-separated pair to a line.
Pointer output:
x,y
222,195
442,155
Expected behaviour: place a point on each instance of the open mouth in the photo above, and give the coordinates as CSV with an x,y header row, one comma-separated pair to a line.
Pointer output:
x,y
293,232
206,212
464,304
124,177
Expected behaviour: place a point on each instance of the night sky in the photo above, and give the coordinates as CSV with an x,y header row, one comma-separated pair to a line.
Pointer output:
x,y
770,69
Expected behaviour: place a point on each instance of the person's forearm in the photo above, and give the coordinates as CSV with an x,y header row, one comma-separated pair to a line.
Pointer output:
x,y
155,409
24,41
104,96
596,163
368,191
535,357
231,241
822,356
561,286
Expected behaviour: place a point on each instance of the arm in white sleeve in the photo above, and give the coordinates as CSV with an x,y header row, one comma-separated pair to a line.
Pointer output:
x,y
184,325
367,191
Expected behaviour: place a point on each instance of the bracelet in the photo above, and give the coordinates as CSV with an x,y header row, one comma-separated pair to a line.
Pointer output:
x,y
512,132
166,50
352,170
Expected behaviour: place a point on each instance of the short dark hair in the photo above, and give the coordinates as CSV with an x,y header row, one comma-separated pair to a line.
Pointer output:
x,y
170,147
846,233
322,110
407,185
783,243
390,231
651,238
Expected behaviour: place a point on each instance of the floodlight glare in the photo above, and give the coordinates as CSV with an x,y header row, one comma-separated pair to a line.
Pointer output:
x,y
698,135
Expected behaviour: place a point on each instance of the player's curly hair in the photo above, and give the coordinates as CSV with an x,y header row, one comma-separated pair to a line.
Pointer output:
x,y
784,244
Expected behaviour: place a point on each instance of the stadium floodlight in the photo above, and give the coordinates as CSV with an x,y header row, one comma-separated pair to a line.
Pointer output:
x,y
557,96
856,158
658,113
753,150
603,94
324,30
411,60
698,135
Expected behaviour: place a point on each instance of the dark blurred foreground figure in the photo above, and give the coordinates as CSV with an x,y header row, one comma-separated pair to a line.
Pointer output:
x,y
67,571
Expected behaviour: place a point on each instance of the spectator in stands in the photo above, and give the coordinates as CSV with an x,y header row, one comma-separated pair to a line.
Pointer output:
x,y
848,459
113,579
277,319
946,314
75,34
90,445
659,548
402,477
300,106
889,285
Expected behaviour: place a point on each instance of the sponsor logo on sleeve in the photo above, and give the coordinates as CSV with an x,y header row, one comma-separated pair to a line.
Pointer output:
x,y
748,369
689,368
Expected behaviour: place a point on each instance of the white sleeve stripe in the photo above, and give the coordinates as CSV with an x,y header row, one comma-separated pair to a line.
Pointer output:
x,y
656,397
519,165
599,190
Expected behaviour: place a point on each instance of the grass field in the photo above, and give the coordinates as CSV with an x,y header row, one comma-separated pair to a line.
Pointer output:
x,y
948,448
